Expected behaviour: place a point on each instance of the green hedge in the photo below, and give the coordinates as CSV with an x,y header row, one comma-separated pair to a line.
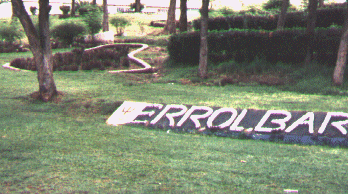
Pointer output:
x,y
287,45
325,18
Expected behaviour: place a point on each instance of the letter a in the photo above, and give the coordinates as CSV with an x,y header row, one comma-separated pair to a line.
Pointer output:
x,y
307,119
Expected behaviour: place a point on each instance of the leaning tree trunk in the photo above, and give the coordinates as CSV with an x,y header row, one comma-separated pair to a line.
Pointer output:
x,y
94,2
72,13
40,46
170,25
338,74
137,6
282,17
321,3
203,53
106,16
183,16
311,19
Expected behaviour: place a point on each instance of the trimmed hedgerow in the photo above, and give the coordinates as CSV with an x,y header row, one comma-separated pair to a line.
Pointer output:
x,y
287,46
269,22
78,59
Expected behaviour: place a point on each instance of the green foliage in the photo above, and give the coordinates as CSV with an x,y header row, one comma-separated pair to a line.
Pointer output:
x,y
246,45
33,10
10,31
119,23
132,6
68,30
226,11
86,8
93,18
272,4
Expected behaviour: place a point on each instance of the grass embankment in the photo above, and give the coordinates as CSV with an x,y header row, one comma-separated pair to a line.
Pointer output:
x,y
66,147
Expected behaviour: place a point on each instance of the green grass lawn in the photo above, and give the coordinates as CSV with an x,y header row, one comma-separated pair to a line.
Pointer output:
x,y
66,147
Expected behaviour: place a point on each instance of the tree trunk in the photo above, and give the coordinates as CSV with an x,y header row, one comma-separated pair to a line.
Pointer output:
x,y
338,74
72,13
106,16
94,2
183,16
311,19
203,53
321,3
13,12
40,46
137,6
282,17
170,25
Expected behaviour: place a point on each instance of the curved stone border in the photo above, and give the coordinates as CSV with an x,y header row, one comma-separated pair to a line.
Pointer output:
x,y
7,66
146,67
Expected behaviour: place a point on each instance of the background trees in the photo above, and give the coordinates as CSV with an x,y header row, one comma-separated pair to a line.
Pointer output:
x,y
183,16
105,16
72,13
137,6
282,17
39,40
170,25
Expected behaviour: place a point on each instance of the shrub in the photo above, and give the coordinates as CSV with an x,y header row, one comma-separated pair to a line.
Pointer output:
x,y
80,4
65,9
78,59
68,30
9,32
63,16
93,18
225,11
33,10
86,8
6,47
23,63
119,23
272,4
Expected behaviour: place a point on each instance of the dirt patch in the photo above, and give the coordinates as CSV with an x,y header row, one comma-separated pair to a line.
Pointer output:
x,y
56,99
270,79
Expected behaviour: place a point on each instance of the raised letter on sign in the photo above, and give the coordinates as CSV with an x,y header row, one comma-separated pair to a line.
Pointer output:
x,y
337,124
128,111
195,118
234,126
280,122
217,113
307,119
170,116
147,113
